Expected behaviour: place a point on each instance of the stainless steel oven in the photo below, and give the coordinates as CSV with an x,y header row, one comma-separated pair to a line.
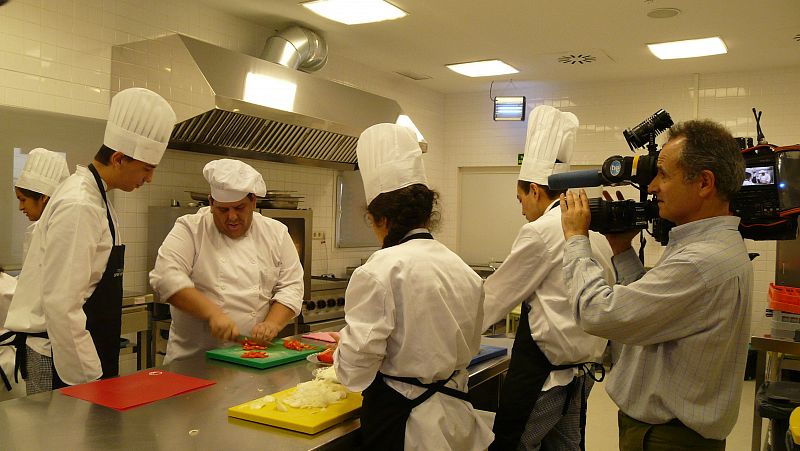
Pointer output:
x,y
325,307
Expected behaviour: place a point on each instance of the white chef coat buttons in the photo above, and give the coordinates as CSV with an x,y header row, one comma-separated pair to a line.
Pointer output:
x,y
222,260
253,314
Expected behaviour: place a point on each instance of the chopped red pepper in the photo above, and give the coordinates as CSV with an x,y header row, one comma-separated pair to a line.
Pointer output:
x,y
254,355
296,345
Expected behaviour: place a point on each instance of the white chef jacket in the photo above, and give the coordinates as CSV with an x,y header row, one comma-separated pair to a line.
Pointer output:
x,y
67,257
26,240
7,286
242,276
533,273
415,310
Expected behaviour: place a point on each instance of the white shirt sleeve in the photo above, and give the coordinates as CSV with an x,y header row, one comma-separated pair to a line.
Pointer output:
x,y
73,235
516,279
289,288
369,313
174,262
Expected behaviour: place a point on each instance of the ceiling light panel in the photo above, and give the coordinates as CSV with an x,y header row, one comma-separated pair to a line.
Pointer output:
x,y
482,68
692,48
354,12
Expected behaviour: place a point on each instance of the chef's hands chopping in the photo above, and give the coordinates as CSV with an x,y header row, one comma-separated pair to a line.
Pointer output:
x,y
222,327
265,331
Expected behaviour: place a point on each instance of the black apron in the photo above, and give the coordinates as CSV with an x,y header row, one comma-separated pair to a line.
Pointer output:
x,y
527,373
103,312
103,309
384,411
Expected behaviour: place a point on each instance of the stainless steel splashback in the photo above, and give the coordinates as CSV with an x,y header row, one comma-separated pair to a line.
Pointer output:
x,y
234,104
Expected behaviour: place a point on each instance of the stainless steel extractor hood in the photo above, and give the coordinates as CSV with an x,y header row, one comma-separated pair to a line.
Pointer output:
x,y
238,105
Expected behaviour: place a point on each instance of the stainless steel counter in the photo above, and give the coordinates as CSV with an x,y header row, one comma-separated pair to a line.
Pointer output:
x,y
196,420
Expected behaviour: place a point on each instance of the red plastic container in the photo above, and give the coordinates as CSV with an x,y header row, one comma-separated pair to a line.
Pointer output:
x,y
785,299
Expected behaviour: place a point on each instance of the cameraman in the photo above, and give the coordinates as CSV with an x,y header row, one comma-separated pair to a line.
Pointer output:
x,y
684,325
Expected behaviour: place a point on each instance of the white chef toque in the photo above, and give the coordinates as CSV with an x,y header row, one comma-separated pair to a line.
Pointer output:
x,y
232,180
389,158
43,172
139,125
551,137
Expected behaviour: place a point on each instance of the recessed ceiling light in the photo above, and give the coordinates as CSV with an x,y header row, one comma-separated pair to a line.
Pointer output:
x,y
354,12
482,68
691,48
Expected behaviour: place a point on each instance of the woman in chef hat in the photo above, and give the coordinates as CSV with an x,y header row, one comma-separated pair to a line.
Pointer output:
x,y
413,312
43,172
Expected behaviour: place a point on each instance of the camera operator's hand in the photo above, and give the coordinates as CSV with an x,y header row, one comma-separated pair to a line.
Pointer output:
x,y
619,242
575,214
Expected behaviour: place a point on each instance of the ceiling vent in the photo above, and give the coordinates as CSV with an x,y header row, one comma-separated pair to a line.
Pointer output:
x,y
796,37
577,58
414,76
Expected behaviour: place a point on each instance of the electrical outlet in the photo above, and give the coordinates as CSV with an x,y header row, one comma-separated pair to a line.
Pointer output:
x,y
318,235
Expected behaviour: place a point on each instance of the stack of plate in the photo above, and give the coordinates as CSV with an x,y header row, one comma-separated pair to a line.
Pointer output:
x,y
273,199
279,199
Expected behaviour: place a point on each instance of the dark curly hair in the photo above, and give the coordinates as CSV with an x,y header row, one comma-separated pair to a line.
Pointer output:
x,y
405,209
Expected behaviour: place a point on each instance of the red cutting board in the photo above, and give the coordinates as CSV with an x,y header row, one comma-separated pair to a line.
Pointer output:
x,y
278,355
126,392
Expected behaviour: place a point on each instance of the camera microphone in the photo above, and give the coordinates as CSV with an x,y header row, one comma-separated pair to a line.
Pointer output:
x,y
575,179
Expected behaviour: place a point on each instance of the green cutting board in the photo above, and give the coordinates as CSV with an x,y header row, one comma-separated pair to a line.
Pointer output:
x,y
278,355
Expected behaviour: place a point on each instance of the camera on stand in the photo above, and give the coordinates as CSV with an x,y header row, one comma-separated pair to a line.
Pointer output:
x,y
769,199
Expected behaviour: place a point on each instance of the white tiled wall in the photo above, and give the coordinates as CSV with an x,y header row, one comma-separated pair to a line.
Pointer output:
x,y
605,109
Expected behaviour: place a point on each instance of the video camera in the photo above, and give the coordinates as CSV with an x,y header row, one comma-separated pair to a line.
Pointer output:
x,y
638,170
767,203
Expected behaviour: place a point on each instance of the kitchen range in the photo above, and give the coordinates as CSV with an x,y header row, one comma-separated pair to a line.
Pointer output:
x,y
325,308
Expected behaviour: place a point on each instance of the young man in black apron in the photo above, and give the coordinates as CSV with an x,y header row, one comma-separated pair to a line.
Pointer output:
x,y
67,308
543,399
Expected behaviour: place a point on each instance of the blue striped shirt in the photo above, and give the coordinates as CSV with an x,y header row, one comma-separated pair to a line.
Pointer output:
x,y
683,326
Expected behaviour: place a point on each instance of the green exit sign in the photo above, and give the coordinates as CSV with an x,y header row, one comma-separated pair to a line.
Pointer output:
x,y
520,156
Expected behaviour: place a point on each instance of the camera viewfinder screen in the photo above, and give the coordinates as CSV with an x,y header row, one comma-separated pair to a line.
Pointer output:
x,y
759,175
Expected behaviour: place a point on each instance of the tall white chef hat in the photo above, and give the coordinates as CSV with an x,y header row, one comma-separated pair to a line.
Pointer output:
x,y
139,124
551,137
43,172
232,180
389,158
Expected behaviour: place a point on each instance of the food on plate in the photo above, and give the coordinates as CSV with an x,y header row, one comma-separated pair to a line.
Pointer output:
x,y
326,356
296,345
254,355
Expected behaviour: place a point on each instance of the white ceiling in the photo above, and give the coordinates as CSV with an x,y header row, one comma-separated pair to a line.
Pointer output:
x,y
532,34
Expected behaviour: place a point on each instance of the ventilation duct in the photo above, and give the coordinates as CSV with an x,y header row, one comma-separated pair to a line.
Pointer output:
x,y
236,105
297,48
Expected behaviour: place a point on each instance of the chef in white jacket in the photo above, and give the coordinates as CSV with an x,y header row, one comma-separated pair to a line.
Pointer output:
x,y
413,312
543,400
67,308
227,270
43,172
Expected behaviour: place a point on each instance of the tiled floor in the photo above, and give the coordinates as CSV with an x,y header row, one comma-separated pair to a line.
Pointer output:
x,y
601,422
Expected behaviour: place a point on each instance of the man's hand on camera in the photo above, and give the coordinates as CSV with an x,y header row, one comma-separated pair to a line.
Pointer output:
x,y
619,242
575,215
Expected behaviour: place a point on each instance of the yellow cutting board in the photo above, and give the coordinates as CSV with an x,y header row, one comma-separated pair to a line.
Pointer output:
x,y
309,421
